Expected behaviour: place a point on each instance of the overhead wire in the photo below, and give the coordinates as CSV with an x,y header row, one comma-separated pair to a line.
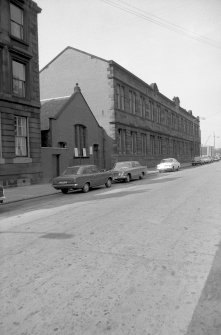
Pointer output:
x,y
161,22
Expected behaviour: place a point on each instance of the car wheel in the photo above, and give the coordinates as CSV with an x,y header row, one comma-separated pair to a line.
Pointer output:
x,y
108,183
64,190
86,188
127,180
141,176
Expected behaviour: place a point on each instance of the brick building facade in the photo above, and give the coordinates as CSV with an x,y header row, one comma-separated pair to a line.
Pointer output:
x,y
144,124
71,135
20,141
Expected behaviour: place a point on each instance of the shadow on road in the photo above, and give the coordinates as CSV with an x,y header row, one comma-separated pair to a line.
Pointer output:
x,y
60,199
207,315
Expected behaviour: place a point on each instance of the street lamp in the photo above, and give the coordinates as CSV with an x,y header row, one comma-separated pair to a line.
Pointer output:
x,y
214,141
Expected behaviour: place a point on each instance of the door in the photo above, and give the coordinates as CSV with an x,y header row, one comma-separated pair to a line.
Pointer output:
x,y
55,165
96,154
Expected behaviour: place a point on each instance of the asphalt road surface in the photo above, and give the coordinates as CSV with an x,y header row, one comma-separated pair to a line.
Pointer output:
x,y
141,258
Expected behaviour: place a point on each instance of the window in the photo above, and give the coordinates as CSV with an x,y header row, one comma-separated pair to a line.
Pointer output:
x,y
130,102
158,114
18,78
143,144
17,25
21,136
152,144
151,110
120,97
160,145
133,142
167,146
80,140
134,103
122,140
142,107
62,144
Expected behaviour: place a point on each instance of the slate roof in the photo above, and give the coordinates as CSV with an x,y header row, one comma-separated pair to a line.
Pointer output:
x,y
50,109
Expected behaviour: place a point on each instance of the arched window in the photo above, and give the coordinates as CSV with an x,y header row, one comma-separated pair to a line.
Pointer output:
x,y
80,136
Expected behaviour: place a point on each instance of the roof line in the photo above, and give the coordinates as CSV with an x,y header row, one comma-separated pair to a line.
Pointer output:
x,y
71,98
57,98
69,47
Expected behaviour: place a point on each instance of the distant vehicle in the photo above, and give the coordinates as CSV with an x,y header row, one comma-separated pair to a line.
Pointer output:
x,y
206,159
197,160
216,158
168,164
128,170
82,177
2,195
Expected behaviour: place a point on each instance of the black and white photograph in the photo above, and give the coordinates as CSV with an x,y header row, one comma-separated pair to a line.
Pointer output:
x,y
110,167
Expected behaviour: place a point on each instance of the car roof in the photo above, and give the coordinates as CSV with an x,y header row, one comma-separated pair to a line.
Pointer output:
x,y
83,165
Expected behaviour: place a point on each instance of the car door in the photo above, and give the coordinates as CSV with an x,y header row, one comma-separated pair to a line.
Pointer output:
x,y
136,169
97,177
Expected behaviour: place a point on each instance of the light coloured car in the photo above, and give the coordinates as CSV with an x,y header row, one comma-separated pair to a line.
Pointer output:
x,y
2,196
168,164
127,170
82,177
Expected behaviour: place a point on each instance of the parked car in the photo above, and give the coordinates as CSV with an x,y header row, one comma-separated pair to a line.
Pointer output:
x,y
2,195
216,158
82,177
127,170
197,160
168,164
206,159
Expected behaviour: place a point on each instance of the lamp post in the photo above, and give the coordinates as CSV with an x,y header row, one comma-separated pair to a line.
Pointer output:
x,y
201,118
214,141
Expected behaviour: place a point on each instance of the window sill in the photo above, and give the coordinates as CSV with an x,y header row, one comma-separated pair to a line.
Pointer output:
x,y
77,157
22,160
2,161
20,40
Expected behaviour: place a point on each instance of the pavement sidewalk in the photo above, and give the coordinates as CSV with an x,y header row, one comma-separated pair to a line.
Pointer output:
x,y
14,194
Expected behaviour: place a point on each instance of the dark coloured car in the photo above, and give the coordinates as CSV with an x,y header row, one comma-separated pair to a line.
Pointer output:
x,y
82,177
127,170
2,195
197,160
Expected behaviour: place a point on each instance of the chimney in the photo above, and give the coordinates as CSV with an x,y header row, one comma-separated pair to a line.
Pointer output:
x,y
77,88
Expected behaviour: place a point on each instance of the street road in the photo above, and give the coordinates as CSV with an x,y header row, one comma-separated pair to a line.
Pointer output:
x,y
141,258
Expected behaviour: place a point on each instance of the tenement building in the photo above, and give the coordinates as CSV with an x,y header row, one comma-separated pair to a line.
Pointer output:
x,y
19,93
144,124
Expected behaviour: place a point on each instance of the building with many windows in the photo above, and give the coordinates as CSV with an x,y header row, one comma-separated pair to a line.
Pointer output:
x,y
144,124
20,139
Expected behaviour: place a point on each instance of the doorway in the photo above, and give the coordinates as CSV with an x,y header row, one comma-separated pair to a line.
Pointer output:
x,y
55,165
96,155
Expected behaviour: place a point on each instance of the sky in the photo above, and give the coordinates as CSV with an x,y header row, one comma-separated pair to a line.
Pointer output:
x,y
173,43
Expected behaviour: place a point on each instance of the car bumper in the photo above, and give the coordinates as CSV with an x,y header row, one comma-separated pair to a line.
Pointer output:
x,y
66,186
165,169
120,179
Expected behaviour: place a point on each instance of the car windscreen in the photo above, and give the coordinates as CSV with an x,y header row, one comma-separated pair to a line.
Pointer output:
x,y
122,165
166,160
72,170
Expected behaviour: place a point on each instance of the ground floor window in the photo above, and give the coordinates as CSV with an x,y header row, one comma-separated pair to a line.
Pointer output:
x,y
133,142
21,136
144,144
122,140
80,140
